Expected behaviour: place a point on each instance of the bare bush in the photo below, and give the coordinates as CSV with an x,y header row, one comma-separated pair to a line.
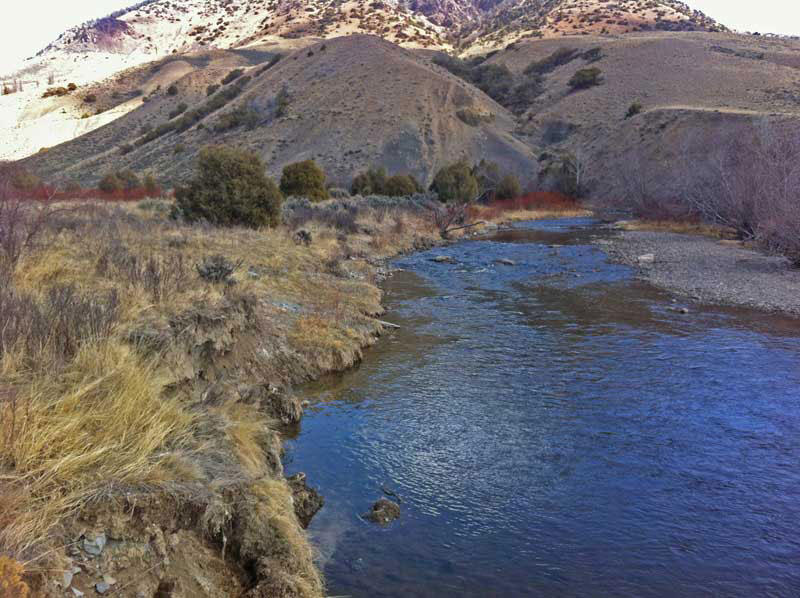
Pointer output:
x,y
448,217
53,328
23,223
749,183
160,277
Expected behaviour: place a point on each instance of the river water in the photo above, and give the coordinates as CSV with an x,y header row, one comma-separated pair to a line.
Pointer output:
x,y
555,428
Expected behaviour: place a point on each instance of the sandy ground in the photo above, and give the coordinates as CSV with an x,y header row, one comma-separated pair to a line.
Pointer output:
x,y
708,270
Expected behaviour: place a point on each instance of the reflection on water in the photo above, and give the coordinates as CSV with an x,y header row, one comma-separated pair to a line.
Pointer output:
x,y
554,429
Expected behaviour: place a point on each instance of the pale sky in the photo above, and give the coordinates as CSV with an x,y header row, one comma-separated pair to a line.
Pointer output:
x,y
32,24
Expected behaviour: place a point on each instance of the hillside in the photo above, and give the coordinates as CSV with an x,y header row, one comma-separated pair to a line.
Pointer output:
x,y
693,88
351,102
95,53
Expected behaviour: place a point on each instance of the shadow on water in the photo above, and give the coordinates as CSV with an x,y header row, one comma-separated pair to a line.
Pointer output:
x,y
555,428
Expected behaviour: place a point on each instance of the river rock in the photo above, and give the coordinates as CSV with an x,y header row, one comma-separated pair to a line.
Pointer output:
x,y
383,512
94,546
443,259
307,501
506,262
647,258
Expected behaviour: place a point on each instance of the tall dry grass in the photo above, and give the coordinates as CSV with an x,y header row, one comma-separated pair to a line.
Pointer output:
x,y
99,422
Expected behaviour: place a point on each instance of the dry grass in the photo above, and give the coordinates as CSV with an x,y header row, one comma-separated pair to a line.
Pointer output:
x,y
101,421
676,226
297,574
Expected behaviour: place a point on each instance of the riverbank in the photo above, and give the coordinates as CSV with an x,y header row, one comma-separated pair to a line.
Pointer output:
x,y
706,268
147,369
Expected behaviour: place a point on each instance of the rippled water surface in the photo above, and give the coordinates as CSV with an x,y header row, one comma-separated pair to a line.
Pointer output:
x,y
555,429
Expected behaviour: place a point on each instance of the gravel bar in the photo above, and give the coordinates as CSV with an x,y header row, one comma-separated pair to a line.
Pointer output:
x,y
708,270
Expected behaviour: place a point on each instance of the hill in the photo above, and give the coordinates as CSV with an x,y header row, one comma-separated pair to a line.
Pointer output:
x,y
350,102
94,54
693,88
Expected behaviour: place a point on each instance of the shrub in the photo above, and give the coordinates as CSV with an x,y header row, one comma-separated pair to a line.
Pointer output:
x,y
282,102
230,188
11,584
455,183
401,185
151,185
212,89
546,65
304,179
55,91
125,149
372,182
72,87
129,179
633,110
508,188
110,183
272,62
232,76
179,109
90,98
474,117
216,268
24,180
592,55
375,181
586,78
172,90
241,115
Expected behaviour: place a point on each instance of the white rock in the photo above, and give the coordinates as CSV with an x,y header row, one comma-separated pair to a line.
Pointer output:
x,y
647,258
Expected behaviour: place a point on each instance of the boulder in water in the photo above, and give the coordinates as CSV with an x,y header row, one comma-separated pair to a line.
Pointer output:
x,y
383,512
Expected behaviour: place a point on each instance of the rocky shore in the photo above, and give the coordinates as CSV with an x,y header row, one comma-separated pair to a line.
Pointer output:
x,y
709,270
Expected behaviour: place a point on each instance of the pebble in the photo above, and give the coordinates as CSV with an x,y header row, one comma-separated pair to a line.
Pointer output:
x,y
102,587
95,546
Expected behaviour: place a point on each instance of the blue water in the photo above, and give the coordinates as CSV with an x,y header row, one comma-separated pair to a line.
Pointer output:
x,y
554,428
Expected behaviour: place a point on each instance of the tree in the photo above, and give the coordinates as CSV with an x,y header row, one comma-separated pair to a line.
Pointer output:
x,y
230,188
455,183
508,188
304,179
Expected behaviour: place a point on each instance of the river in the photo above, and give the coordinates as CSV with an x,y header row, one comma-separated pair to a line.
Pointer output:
x,y
557,428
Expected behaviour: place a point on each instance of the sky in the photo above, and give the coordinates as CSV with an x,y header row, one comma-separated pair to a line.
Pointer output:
x,y
35,23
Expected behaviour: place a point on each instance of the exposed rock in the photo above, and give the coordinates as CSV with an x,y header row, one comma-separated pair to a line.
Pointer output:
x,y
383,512
647,258
94,546
307,501
443,259
506,262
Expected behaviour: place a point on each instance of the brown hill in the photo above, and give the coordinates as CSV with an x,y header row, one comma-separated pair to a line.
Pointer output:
x,y
352,102
692,87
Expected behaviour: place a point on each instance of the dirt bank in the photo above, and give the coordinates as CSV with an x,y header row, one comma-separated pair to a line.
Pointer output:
x,y
709,270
